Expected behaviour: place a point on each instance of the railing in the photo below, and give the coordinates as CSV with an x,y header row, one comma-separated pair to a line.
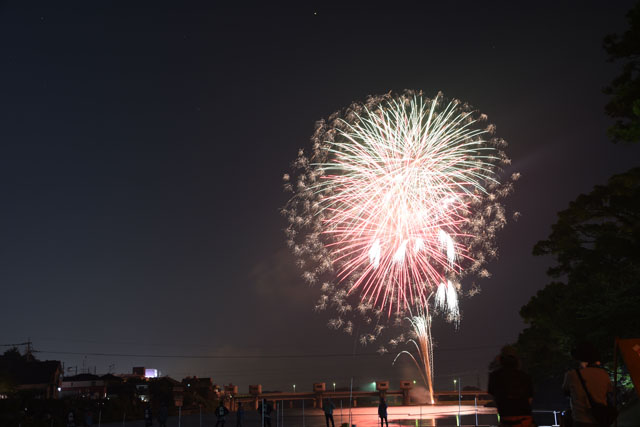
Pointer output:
x,y
472,396
284,417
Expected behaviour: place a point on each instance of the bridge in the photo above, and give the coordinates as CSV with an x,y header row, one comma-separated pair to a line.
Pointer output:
x,y
319,394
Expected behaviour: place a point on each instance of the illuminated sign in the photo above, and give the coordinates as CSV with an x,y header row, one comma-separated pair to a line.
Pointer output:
x,y
151,373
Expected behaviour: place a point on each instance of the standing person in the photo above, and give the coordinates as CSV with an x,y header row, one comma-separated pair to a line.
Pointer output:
x,y
163,415
382,412
88,419
221,413
512,390
328,408
589,378
148,416
266,414
239,415
71,419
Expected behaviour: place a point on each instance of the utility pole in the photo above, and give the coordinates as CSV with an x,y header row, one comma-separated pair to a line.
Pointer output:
x,y
29,353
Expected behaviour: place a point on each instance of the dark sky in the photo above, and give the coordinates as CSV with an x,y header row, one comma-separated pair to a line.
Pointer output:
x,y
143,149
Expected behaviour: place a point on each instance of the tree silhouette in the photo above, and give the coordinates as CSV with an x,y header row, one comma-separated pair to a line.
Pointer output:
x,y
624,105
596,290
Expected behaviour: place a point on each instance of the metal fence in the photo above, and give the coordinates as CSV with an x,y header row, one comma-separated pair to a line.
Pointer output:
x,y
362,417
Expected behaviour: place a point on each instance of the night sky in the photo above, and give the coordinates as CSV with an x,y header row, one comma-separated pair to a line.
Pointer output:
x,y
143,149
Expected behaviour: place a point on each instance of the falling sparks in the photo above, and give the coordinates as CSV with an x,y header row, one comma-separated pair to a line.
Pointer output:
x,y
447,301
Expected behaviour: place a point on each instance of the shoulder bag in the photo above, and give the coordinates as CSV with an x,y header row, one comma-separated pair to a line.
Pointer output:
x,y
604,414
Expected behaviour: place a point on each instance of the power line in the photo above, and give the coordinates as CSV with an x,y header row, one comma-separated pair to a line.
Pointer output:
x,y
196,356
246,356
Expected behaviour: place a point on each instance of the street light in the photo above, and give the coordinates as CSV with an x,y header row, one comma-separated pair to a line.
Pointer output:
x,y
334,387
294,388
459,397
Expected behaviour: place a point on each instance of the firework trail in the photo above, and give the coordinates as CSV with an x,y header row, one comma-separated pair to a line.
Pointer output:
x,y
421,328
398,200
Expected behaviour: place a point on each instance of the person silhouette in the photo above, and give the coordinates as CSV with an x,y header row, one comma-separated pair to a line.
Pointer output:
x,y
328,408
71,419
163,415
239,415
512,390
382,412
586,384
148,416
221,413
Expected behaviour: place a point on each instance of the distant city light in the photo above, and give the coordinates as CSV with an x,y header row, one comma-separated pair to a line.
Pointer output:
x,y
151,373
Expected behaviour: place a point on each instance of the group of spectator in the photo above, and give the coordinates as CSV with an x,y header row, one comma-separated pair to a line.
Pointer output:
x,y
328,408
588,387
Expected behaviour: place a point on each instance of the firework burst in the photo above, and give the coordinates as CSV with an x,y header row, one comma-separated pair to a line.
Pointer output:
x,y
397,201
